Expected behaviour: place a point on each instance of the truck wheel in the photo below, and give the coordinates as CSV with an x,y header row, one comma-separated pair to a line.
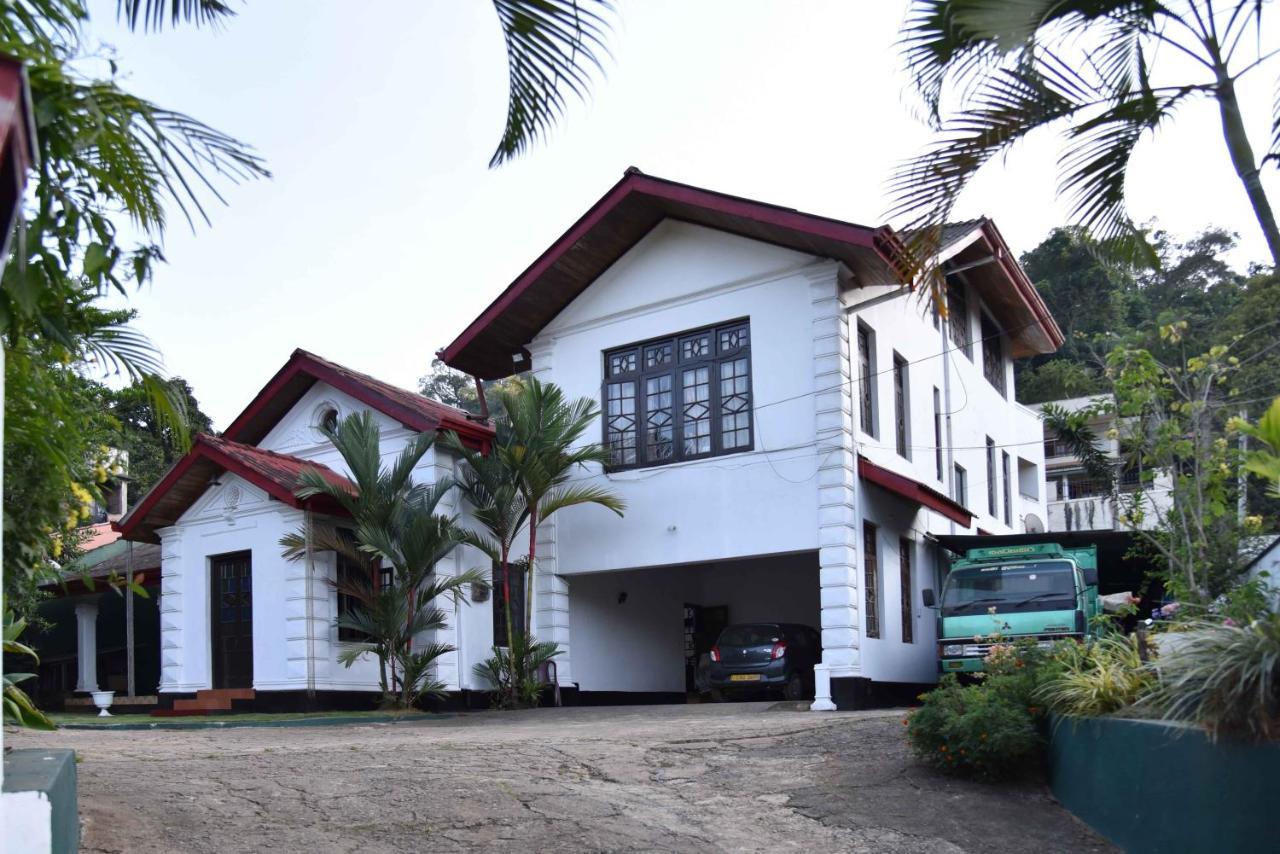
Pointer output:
x,y
795,688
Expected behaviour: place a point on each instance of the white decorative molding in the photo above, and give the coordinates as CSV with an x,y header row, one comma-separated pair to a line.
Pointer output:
x,y
836,484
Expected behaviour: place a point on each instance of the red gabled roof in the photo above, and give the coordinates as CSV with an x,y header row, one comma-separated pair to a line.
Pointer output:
x,y
304,369
184,483
914,490
620,219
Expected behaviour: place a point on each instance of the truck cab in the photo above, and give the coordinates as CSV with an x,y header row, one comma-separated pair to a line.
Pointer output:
x,y
1004,594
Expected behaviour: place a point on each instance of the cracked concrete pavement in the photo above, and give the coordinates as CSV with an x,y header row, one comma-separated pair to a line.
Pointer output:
x,y
733,777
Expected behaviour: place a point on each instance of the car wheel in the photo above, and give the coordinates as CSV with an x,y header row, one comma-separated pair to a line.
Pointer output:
x,y
795,688
717,696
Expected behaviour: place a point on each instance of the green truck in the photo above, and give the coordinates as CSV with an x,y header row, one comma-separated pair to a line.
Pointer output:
x,y
1040,591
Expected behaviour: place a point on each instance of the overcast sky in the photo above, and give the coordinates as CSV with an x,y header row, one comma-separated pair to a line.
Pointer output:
x,y
383,232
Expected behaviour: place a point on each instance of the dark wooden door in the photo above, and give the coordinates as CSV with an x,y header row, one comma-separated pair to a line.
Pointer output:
x,y
702,625
232,621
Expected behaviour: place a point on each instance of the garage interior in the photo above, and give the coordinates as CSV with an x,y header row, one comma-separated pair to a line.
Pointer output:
x,y
640,631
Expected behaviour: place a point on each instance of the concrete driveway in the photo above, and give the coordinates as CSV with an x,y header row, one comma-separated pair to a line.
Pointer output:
x,y
733,777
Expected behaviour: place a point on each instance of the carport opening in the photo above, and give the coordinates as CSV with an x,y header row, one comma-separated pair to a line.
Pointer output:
x,y
638,635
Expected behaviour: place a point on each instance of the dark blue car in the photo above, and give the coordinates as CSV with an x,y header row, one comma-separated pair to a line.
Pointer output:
x,y
752,657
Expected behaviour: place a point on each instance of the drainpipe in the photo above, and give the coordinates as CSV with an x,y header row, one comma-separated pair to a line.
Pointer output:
x,y
310,574
484,403
128,621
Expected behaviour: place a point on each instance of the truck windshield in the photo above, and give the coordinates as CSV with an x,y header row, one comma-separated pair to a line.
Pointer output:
x,y
1010,588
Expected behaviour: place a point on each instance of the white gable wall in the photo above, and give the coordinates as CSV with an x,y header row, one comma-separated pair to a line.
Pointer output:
x,y
682,277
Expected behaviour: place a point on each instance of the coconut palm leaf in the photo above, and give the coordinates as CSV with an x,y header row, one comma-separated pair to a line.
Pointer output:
x,y
152,14
553,47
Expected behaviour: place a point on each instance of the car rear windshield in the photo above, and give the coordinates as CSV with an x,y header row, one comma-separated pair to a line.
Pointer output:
x,y
756,635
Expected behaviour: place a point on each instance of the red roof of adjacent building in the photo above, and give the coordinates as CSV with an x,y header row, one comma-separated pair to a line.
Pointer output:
x,y
276,474
304,369
914,491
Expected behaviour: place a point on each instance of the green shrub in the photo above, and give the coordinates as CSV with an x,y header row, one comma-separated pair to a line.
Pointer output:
x,y
1098,678
975,731
1225,678
529,655
988,730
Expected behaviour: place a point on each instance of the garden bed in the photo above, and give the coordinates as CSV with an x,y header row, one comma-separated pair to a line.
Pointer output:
x,y
1157,786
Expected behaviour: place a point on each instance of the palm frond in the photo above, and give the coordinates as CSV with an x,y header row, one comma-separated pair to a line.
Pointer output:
x,y
553,46
152,14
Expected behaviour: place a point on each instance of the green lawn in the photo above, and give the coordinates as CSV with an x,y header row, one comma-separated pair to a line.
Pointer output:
x,y
231,720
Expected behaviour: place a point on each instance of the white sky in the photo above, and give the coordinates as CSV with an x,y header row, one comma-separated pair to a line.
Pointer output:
x,y
383,233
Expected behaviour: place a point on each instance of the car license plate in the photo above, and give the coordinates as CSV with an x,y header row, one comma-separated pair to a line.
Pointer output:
x,y
745,677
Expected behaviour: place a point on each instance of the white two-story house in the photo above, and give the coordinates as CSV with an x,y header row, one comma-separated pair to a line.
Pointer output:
x,y
788,424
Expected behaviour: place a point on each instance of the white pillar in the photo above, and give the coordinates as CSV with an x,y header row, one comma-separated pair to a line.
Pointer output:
x,y
87,645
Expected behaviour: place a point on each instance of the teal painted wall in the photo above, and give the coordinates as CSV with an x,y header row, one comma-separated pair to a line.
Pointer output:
x,y
1149,786
54,773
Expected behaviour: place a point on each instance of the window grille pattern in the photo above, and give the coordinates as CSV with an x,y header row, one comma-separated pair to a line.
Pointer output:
x,y
871,579
907,594
679,398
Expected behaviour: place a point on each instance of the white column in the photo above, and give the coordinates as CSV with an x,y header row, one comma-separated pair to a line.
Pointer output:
x,y
550,591
837,486
87,645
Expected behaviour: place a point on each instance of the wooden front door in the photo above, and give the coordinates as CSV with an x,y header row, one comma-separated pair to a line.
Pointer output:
x,y
232,620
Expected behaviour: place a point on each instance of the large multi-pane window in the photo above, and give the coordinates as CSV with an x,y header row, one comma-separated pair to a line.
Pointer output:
x,y
901,403
866,380
679,398
958,319
992,354
904,584
871,579
991,476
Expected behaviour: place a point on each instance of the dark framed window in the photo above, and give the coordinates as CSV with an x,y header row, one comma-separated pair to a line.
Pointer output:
x,y
992,354
901,405
866,380
351,573
961,486
1008,487
958,319
991,476
519,574
905,586
937,432
679,398
871,579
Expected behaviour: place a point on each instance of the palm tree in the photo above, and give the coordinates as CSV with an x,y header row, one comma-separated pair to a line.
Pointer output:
x,y
489,484
544,428
394,522
1101,71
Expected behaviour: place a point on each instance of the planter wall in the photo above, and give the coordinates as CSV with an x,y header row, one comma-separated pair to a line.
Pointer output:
x,y
1152,786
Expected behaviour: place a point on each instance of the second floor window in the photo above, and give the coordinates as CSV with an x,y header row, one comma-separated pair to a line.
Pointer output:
x,y
960,488
871,579
866,380
992,354
958,319
679,398
991,476
901,401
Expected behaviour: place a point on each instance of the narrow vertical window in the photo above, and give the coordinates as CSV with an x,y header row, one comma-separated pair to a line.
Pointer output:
x,y
958,319
620,422
937,432
735,405
696,410
866,391
871,580
991,476
657,417
1008,488
901,403
992,354
961,486
907,595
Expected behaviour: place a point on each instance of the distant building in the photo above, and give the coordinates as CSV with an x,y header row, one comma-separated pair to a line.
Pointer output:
x,y
1078,501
